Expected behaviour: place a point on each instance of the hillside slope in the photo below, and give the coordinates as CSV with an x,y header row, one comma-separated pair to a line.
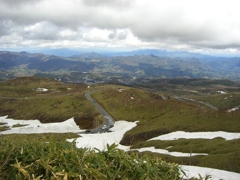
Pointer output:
x,y
159,116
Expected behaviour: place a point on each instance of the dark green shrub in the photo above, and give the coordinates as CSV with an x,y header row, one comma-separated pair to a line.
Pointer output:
x,y
62,160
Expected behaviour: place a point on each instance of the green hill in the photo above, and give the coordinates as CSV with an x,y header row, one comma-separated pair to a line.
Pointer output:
x,y
157,113
158,116
24,98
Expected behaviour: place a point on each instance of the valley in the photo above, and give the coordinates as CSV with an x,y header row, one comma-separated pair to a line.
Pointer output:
x,y
126,68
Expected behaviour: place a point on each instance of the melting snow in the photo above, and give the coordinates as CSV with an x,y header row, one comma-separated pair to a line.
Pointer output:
x,y
233,109
100,141
197,135
216,174
221,92
35,126
120,128
164,151
42,89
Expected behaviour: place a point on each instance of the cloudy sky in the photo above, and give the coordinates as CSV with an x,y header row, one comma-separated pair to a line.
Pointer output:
x,y
205,26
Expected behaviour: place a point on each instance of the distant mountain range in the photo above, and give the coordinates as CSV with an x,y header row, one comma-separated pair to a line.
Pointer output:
x,y
147,63
160,53
64,52
40,62
59,52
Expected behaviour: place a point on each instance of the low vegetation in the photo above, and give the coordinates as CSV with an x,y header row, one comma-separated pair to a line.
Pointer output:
x,y
222,154
158,116
187,86
19,99
4,128
50,156
224,102
157,112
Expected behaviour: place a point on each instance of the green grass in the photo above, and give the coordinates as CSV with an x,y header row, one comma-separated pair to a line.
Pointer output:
x,y
4,128
194,145
222,101
21,87
18,125
187,86
49,156
222,154
20,100
157,116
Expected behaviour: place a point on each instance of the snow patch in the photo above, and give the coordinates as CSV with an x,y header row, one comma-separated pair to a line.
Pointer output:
x,y
35,126
221,92
197,135
121,90
42,89
101,140
233,109
164,151
216,174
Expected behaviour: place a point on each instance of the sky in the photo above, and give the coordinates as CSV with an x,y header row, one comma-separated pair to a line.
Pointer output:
x,y
204,26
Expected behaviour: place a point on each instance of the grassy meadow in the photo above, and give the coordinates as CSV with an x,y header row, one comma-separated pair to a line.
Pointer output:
x,y
223,101
159,116
157,113
19,99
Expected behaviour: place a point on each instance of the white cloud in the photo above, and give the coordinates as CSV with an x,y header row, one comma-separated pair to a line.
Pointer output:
x,y
200,25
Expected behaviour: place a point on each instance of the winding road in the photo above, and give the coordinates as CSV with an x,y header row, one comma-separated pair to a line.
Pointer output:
x,y
206,104
109,121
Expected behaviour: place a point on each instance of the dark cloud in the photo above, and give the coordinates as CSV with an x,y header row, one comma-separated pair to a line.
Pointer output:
x,y
111,3
41,30
155,23
6,26
122,35
217,46
20,12
18,3
118,35
112,35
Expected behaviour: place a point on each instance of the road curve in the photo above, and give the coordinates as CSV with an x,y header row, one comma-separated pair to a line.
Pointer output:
x,y
206,104
109,121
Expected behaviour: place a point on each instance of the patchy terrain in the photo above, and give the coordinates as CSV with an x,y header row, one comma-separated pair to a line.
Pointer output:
x,y
157,112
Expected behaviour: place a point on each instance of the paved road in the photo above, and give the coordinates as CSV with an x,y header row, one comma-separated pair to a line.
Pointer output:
x,y
109,121
206,104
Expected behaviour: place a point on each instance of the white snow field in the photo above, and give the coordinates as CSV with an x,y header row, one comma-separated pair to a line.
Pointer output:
x,y
164,151
35,126
197,135
100,141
